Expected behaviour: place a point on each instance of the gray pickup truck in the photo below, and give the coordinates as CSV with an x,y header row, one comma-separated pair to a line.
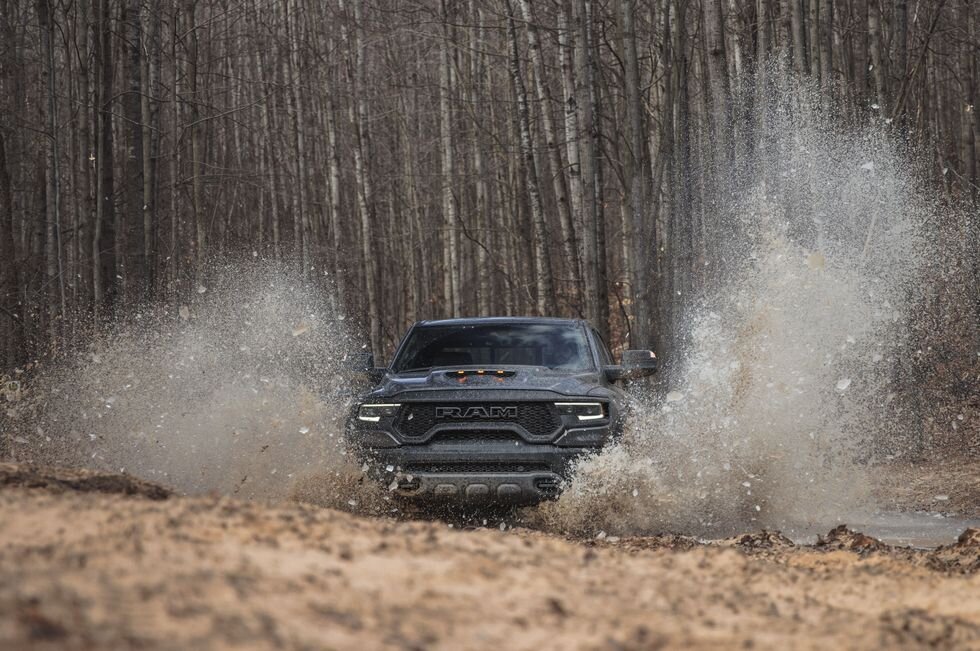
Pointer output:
x,y
491,409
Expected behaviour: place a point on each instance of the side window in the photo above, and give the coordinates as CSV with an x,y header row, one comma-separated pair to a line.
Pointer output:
x,y
605,357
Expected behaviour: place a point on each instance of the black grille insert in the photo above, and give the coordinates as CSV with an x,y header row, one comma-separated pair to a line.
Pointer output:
x,y
538,418
475,436
470,467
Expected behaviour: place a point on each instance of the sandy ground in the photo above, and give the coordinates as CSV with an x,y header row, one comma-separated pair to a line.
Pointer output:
x,y
108,562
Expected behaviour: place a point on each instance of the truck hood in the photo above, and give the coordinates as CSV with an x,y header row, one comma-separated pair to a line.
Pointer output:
x,y
513,378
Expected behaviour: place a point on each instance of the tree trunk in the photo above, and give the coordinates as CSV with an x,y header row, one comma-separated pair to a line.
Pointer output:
x,y
413,221
642,235
451,241
173,264
365,194
269,154
133,173
477,74
11,351
799,38
785,23
55,279
598,184
590,124
196,129
573,144
735,46
762,39
557,167
814,24
901,36
542,262
302,216
877,54
661,167
968,105
150,110
103,237
682,238
827,47
427,283
333,162
719,83
861,56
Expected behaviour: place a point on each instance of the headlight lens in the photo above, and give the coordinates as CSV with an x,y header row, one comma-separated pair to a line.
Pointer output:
x,y
372,413
584,410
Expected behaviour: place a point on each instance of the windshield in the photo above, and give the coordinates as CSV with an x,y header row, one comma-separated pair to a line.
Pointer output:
x,y
558,346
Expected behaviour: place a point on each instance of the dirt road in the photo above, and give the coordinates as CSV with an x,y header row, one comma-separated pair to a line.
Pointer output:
x,y
94,561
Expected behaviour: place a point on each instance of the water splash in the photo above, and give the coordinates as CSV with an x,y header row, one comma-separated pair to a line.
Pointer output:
x,y
242,389
791,381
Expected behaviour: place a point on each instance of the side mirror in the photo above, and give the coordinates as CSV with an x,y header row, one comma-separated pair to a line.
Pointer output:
x,y
635,364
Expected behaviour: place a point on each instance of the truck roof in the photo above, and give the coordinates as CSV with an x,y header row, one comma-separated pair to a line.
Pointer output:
x,y
489,320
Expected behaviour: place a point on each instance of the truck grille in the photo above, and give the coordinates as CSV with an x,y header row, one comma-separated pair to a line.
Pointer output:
x,y
538,418
471,467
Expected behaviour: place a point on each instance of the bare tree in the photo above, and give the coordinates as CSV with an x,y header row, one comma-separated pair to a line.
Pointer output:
x,y
826,32
52,217
103,234
9,320
642,232
557,167
877,56
356,71
301,203
799,39
542,260
452,289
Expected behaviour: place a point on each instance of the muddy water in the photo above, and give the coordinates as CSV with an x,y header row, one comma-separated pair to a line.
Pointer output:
x,y
786,376
239,390
920,530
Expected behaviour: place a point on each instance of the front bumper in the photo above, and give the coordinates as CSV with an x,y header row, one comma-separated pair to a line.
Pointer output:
x,y
503,473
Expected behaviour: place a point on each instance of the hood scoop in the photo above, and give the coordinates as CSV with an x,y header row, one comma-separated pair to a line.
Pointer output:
x,y
464,376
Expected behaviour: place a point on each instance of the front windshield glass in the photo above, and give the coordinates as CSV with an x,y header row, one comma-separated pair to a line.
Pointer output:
x,y
558,346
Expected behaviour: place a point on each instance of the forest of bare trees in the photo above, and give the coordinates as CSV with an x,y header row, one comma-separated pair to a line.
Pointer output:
x,y
429,158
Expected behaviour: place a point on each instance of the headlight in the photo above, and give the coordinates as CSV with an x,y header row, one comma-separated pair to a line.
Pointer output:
x,y
584,410
372,413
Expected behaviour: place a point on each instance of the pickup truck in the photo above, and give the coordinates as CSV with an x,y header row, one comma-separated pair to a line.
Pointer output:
x,y
491,409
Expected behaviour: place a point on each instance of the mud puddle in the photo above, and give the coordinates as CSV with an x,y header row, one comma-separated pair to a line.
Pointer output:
x,y
919,530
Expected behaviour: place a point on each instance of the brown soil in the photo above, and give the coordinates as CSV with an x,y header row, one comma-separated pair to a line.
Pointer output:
x,y
59,480
100,561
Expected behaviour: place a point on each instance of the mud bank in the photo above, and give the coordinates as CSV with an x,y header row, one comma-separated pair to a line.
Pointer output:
x,y
112,567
